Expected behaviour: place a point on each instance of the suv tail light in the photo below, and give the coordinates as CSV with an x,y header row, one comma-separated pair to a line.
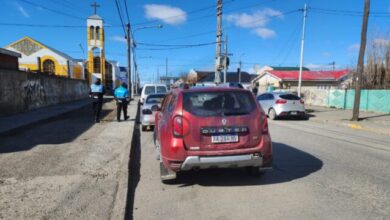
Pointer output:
x,y
147,112
264,125
302,102
177,126
281,101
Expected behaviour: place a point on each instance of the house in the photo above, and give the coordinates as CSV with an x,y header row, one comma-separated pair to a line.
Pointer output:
x,y
310,79
9,59
262,70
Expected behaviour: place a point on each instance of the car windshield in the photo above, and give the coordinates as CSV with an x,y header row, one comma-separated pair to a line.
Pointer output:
x,y
149,90
154,99
218,103
161,89
289,97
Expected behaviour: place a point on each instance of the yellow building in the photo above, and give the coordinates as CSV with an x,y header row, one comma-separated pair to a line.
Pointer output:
x,y
39,57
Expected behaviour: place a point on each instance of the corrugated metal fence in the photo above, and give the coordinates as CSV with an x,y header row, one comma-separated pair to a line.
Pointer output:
x,y
370,100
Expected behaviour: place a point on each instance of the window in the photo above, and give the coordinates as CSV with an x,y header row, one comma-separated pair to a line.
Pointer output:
x,y
96,65
92,32
161,89
154,99
97,33
49,66
218,103
149,90
289,97
265,96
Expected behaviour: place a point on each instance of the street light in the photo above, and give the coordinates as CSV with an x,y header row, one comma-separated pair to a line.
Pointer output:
x,y
133,45
239,73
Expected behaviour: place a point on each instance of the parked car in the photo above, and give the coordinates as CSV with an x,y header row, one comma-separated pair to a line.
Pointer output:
x,y
147,113
282,104
152,89
211,127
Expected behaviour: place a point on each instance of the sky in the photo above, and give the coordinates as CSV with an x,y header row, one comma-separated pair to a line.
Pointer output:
x,y
261,32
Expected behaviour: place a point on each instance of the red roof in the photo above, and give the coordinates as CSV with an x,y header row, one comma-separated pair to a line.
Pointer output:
x,y
310,75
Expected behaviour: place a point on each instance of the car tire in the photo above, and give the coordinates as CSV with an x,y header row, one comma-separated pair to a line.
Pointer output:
x,y
144,128
164,172
272,114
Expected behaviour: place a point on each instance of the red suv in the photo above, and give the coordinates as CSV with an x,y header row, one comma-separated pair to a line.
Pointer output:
x,y
216,127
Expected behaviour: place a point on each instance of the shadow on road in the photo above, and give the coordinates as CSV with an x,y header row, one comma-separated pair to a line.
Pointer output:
x,y
58,130
134,167
289,164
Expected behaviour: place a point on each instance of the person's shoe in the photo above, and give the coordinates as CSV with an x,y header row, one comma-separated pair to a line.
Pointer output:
x,y
97,121
127,117
118,120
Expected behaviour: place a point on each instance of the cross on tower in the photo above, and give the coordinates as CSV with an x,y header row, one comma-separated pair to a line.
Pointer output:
x,y
95,6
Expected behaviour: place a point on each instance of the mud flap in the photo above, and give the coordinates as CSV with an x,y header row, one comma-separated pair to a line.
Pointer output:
x,y
166,174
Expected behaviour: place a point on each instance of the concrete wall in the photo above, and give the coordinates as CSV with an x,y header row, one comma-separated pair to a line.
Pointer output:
x,y
21,91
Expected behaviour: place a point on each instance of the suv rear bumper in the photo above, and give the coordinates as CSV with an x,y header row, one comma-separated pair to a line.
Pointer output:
x,y
246,160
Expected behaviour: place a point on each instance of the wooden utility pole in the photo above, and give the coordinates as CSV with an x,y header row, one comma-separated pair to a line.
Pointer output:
x,y
360,65
219,43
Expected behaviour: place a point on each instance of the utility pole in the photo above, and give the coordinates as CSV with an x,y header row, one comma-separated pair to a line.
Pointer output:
x,y
158,75
302,50
239,71
217,78
128,40
360,65
166,70
225,60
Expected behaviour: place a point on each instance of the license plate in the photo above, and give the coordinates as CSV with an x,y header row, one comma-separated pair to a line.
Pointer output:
x,y
224,139
294,113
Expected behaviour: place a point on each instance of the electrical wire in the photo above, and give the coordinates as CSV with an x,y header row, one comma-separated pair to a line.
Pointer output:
x,y
120,17
52,10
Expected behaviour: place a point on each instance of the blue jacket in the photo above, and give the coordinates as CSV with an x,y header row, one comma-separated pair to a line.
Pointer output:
x,y
121,93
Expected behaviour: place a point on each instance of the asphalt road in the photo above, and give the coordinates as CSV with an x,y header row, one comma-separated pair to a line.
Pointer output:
x,y
320,172
67,168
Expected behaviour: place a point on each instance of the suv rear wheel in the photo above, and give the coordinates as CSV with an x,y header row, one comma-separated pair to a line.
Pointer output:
x,y
254,171
167,176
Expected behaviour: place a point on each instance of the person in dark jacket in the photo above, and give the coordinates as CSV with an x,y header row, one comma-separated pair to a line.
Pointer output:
x,y
96,93
122,98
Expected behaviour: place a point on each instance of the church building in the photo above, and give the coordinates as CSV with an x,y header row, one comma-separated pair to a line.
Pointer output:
x,y
36,56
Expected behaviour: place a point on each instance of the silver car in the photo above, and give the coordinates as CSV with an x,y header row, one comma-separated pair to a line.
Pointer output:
x,y
147,113
282,104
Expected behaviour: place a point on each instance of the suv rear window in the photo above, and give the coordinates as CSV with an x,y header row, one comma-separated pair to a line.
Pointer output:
x,y
161,89
149,90
289,97
218,103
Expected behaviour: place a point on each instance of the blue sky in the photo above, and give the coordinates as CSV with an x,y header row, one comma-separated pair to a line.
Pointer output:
x,y
260,32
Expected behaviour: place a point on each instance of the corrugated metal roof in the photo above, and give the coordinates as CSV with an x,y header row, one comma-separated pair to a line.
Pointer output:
x,y
310,75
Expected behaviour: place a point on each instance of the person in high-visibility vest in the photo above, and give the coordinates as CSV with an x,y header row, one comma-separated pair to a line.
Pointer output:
x,y
97,91
122,99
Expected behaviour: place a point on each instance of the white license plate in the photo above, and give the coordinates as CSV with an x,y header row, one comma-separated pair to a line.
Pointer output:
x,y
224,139
294,113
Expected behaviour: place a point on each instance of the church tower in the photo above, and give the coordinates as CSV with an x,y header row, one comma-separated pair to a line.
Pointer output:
x,y
96,58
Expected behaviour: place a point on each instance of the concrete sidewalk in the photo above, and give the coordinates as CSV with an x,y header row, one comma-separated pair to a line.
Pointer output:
x,y
14,123
372,122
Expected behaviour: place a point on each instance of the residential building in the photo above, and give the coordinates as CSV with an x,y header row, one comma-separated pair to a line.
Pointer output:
x,y
9,59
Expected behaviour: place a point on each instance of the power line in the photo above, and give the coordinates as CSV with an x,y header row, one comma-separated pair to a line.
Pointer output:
x,y
348,12
52,25
120,17
52,10
127,11
179,47
174,45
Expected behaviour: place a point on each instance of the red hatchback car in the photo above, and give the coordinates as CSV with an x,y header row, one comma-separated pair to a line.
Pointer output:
x,y
216,127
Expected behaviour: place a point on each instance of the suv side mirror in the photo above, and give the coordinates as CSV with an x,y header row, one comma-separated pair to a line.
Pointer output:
x,y
155,108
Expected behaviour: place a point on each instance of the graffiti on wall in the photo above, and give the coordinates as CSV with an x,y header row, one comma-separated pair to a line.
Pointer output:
x,y
34,94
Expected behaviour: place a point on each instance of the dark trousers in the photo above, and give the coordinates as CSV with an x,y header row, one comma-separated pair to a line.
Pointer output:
x,y
97,108
119,107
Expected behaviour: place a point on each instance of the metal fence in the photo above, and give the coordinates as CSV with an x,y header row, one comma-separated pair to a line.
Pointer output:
x,y
370,100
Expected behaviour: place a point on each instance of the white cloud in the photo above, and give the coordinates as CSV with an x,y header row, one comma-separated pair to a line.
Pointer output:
x,y
167,14
22,10
381,42
256,21
119,39
354,47
326,54
264,33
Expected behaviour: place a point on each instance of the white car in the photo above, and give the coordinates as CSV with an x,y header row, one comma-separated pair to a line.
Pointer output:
x,y
282,104
149,89
148,113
